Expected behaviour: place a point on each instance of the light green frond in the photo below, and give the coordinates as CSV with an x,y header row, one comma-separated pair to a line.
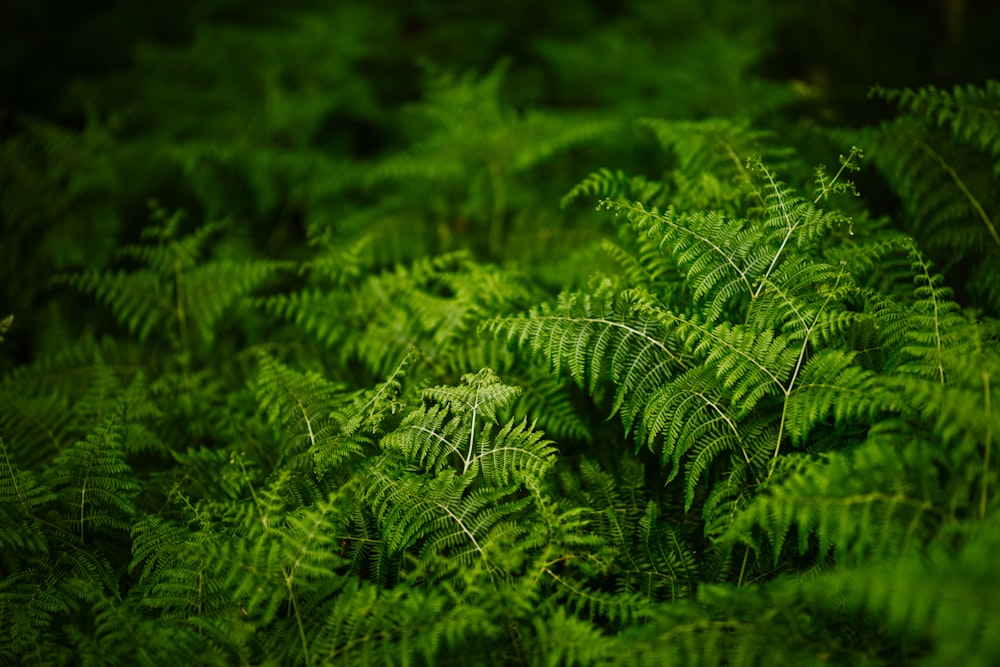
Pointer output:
x,y
597,338
831,390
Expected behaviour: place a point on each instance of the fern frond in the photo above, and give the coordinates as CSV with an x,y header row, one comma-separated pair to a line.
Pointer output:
x,y
937,155
300,407
36,600
443,515
639,554
941,606
94,480
970,113
41,412
432,304
411,625
691,415
597,337
833,387
518,455
118,632
749,365
210,290
177,291
711,250
866,503
937,334
643,265
605,184
134,298
951,205
619,609
712,170
669,570
22,496
459,431
550,404
177,579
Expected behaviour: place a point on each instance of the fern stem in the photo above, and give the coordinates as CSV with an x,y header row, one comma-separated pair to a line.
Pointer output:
x,y
472,440
784,241
938,340
743,567
83,504
844,164
298,620
777,441
740,167
253,494
461,524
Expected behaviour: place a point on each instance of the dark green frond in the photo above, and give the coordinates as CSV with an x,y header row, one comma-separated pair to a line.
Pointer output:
x,y
93,478
970,113
866,503
22,497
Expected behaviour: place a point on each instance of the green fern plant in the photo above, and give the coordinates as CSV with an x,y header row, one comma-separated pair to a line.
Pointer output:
x,y
746,353
940,156
239,459
174,290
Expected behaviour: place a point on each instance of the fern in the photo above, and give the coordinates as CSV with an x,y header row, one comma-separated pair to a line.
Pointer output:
x,y
938,155
967,112
93,478
301,405
176,291
940,615
22,496
872,515
468,136
402,409
766,309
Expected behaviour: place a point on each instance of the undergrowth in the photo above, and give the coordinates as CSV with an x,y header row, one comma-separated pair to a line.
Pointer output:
x,y
329,407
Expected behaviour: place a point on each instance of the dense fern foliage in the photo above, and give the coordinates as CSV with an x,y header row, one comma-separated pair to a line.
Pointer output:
x,y
534,360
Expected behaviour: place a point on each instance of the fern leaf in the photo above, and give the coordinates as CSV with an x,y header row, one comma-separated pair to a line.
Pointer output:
x,y
443,515
937,333
970,113
22,496
301,405
596,338
605,184
94,479
517,454
403,626
714,263
830,385
855,504
134,298
210,290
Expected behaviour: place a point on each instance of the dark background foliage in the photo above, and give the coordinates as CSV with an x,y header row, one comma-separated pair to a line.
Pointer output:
x,y
107,66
